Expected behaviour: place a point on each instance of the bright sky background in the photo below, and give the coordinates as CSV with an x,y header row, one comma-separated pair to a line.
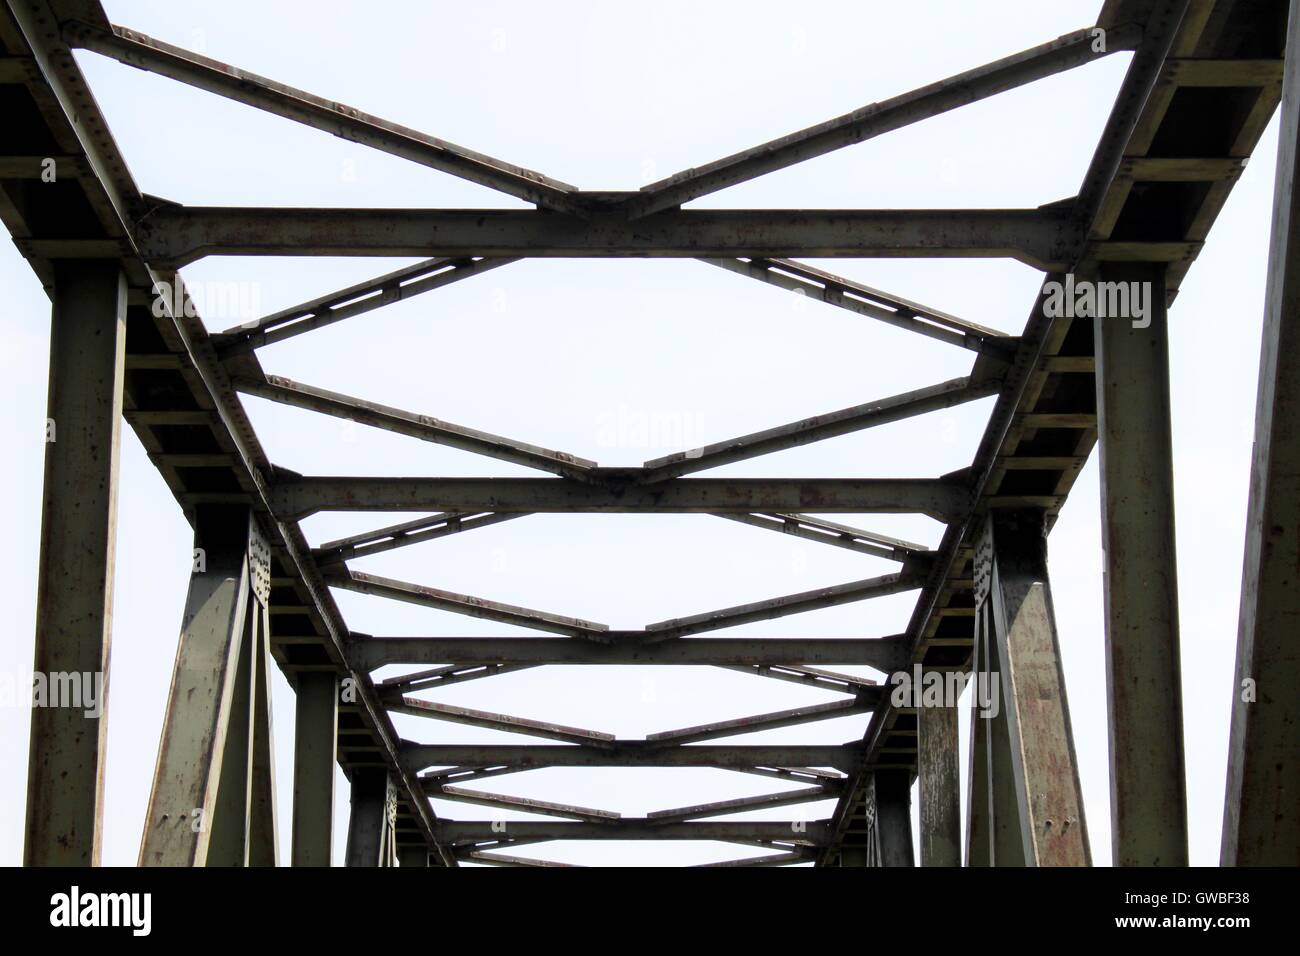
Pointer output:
x,y
572,354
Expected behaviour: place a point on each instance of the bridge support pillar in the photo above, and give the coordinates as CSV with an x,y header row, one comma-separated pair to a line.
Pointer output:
x,y
200,809
413,856
1144,690
894,817
1261,825
65,770
315,754
1030,810
937,782
372,840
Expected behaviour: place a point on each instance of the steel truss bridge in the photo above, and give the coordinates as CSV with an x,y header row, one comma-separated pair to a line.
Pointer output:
x,y
1204,79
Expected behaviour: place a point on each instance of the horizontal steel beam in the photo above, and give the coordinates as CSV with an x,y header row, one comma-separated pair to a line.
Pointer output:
x,y
631,753
368,653
453,832
845,421
296,496
1064,53
347,122
1043,238
424,427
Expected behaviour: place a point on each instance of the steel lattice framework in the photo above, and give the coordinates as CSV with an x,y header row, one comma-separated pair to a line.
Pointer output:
x,y
1204,79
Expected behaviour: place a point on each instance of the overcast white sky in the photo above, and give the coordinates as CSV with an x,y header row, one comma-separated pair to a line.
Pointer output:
x,y
572,354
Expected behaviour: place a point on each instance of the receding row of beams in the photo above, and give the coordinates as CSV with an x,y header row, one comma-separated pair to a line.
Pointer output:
x,y
940,233
294,497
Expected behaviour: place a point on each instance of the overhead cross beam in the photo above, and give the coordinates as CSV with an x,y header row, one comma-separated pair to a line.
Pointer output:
x,y
454,832
628,647
630,753
1043,238
296,496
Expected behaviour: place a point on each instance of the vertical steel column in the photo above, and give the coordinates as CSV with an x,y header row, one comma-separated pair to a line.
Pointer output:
x,y
1144,699
316,723
1006,827
209,704
263,841
74,602
894,817
937,784
858,844
1261,823
369,827
229,843
979,806
413,856
1035,793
